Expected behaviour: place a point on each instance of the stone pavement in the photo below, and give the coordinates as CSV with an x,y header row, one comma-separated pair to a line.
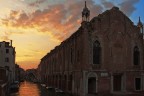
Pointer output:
x,y
117,94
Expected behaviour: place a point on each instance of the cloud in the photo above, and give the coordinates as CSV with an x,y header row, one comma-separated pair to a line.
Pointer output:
x,y
61,20
37,3
28,64
107,4
5,38
128,6
58,20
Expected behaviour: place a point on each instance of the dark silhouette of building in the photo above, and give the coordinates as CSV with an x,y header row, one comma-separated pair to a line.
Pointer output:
x,y
105,55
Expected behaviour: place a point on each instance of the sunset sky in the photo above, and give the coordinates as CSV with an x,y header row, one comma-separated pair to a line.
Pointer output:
x,y
37,26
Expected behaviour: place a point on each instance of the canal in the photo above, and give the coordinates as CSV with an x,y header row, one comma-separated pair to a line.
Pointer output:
x,y
31,89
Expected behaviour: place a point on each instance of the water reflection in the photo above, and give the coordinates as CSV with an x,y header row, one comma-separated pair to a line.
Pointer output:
x,y
30,89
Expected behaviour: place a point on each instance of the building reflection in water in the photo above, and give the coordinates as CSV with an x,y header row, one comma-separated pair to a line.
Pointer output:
x,y
30,89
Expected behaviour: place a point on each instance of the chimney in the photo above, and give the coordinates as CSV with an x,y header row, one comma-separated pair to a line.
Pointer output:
x,y
11,42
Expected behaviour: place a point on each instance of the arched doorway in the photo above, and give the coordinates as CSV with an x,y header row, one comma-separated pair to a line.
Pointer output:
x,y
92,85
117,82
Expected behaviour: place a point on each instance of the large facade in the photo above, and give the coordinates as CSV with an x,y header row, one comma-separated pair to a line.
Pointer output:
x,y
105,55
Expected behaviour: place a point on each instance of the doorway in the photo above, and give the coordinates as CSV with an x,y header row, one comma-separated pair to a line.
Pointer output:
x,y
117,82
138,83
92,85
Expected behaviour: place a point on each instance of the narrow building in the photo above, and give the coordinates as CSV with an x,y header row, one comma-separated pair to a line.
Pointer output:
x,y
104,56
7,58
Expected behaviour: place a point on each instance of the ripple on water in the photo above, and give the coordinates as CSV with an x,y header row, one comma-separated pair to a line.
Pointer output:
x,y
28,89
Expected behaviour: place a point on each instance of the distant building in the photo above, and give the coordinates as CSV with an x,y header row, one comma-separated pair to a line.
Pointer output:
x,y
104,56
31,75
22,74
19,73
7,58
39,73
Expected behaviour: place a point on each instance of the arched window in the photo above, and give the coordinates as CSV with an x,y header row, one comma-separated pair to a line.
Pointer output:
x,y
96,52
136,56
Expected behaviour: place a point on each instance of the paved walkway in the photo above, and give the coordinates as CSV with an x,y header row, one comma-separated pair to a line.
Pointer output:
x,y
122,94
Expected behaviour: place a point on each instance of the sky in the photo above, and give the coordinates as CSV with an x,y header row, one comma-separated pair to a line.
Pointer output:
x,y
37,26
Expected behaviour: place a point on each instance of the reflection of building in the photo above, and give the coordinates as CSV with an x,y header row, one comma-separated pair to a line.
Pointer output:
x,y
7,58
105,55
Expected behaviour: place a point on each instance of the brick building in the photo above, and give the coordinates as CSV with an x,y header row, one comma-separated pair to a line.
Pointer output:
x,y
105,55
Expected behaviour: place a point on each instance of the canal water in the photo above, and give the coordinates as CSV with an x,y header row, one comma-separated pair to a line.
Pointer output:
x,y
31,89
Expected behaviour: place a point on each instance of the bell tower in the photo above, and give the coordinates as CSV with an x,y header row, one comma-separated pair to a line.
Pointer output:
x,y
85,14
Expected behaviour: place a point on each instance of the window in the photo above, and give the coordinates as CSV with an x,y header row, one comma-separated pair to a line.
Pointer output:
x,y
6,59
78,56
71,57
96,52
117,82
7,44
136,56
7,50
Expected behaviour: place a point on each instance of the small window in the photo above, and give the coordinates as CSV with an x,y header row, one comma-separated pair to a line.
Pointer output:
x,y
7,59
136,56
7,50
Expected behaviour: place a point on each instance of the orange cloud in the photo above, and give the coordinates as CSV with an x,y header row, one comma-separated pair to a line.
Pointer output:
x,y
61,20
